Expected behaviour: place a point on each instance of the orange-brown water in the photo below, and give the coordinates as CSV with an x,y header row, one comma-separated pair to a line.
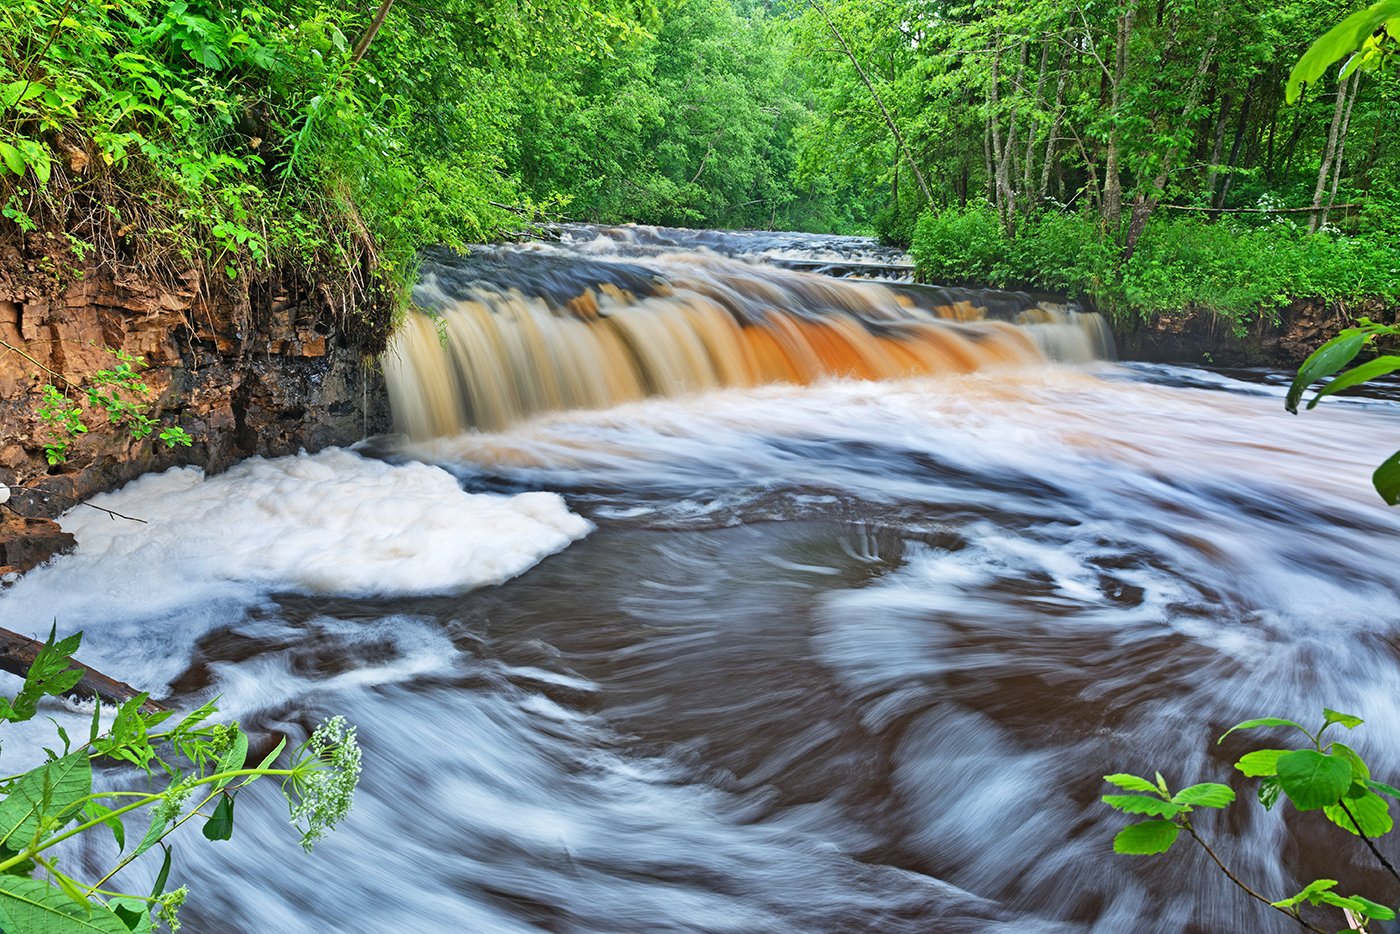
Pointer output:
x,y
489,355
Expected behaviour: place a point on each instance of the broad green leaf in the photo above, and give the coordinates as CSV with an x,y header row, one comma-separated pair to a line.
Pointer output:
x,y
1324,361
1260,763
1341,40
220,825
1313,780
1370,810
1357,374
43,792
133,912
1386,479
1152,836
1206,794
1309,893
28,905
1374,909
1262,721
12,158
1121,779
1360,771
1142,804
1350,721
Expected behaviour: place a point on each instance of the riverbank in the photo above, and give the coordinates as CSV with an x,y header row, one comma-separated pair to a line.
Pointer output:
x,y
262,366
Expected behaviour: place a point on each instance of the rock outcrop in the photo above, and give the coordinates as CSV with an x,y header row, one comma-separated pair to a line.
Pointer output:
x,y
259,368
1200,336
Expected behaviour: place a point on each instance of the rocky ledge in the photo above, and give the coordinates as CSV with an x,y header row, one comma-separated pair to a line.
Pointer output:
x,y
256,370
1201,336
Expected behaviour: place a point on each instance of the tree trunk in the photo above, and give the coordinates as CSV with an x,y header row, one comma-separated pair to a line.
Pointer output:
x,y
1029,160
865,79
1050,139
363,45
17,653
1113,179
1217,148
1341,148
1235,149
1329,153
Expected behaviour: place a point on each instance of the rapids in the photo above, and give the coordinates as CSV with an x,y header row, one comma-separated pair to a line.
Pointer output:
x,y
808,653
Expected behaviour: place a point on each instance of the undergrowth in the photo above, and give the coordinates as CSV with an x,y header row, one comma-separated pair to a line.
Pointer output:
x,y
1239,272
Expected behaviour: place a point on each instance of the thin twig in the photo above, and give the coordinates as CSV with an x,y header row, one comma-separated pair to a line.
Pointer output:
x,y
8,346
77,502
1370,845
1236,879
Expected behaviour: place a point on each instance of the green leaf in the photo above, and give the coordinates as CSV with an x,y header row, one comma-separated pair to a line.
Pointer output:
x,y
1371,812
271,757
1374,909
1313,780
1341,40
1141,804
133,912
1151,836
1262,721
1324,361
28,905
1383,788
158,889
1386,479
220,825
152,837
1347,720
95,810
1337,901
1206,794
1260,763
1357,374
12,158
1269,791
1121,779
1309,893
1360,771
43,793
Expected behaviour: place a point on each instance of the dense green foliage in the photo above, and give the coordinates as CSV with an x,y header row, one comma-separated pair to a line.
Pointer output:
x,y
1324,775
172,132
204,766
1180,263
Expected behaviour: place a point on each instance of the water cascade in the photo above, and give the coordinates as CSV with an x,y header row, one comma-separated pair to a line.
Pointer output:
x,y
515,331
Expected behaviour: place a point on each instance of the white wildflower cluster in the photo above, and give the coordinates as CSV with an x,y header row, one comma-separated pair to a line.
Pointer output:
x,y
326,770
168,908
173,800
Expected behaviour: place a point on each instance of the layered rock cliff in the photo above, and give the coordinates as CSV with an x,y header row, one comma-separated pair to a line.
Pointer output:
x,y
253,367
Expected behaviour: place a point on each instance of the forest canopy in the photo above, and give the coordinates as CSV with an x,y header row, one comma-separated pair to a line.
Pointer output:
x,y
344,137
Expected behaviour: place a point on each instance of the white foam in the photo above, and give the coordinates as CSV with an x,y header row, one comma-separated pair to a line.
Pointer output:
x,y
330,523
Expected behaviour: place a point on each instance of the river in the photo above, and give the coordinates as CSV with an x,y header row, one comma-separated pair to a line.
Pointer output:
x,y
656,619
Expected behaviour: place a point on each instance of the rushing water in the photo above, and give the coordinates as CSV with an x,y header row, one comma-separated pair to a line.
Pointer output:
x,y
845,656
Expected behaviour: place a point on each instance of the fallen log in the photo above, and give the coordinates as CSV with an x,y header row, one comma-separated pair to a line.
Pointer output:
x,y
17,653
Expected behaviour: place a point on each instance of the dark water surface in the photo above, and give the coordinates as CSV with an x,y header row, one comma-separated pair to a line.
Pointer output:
x,y
847,657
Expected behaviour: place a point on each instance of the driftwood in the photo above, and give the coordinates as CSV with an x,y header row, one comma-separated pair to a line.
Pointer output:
x,y
17,654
